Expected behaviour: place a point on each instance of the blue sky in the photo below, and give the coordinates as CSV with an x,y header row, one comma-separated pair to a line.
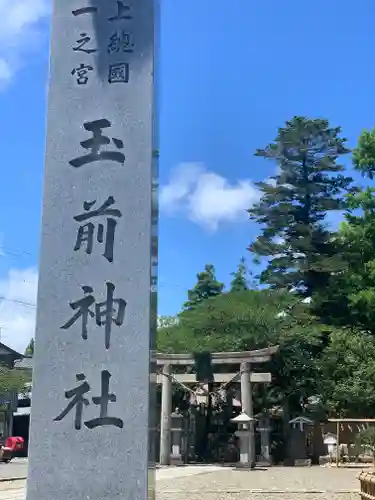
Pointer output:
x,y
231,73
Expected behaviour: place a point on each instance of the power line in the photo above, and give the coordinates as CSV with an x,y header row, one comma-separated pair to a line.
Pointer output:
x,y
21,302
17,253
14,252
29,304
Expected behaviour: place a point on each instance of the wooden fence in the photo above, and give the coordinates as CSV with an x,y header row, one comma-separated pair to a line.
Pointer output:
x,y
367,481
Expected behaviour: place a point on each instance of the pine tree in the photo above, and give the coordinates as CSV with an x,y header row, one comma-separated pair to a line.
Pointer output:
x,y
239,282
29,351
300,249
206,286
364,154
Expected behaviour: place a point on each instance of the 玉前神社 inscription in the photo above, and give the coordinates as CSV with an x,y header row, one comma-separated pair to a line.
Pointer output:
x,y
105,313
79,401
119,42
105,233
93,335
95,144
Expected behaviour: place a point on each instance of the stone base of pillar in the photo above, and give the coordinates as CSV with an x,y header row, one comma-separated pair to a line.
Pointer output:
x,y
247,458
176,458
263,462
264,458
244,466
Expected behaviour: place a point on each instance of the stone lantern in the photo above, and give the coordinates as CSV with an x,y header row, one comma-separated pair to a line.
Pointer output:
x,y
297,445
245,434
176,437
330,440
264,429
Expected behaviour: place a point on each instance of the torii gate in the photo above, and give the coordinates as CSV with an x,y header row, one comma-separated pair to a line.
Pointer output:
x,y
166,377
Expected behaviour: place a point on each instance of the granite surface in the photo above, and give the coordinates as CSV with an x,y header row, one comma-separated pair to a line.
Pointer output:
x,y
90,409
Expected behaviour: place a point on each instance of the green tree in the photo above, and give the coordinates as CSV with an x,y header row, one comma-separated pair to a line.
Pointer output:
x,y
12,380
364,154
231,321
295,375
309,183
239,282
347,374
349,298
166,321
240,321
366,439
29,351
206,286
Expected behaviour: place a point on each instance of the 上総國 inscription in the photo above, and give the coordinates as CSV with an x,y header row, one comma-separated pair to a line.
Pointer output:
x,y
123,12
120,41
119,73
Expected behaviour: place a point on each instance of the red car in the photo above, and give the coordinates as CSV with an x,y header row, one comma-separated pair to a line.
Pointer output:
x,y
13,445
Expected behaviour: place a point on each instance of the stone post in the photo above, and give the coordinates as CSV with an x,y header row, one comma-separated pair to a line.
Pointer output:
x,y
247,407
166,411
176,437
265,430
89,433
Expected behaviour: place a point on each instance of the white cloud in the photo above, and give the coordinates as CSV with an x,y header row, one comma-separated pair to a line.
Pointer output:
x,y
19,32
17,307
206,197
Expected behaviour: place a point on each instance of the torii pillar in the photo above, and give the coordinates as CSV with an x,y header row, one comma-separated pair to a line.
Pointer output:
x,y
166,411
247,407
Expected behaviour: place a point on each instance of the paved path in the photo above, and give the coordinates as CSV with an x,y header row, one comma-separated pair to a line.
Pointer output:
x,y
15,490
276,483
218,483
169,473
16,468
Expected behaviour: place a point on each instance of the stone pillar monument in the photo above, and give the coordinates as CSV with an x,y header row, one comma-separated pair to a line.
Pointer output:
x,y
265,434
91,380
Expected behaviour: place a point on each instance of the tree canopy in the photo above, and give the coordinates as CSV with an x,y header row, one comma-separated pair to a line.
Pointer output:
x,y
309,184
347,374
229,322
315,295
29,351
206,286
12,380
364,154
240,282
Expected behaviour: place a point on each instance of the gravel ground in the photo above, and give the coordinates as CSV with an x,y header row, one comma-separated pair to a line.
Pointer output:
x,y
259,496
275,484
